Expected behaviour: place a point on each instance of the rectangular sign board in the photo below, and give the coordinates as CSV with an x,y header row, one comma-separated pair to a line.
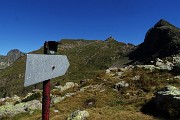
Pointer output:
x,y
40,67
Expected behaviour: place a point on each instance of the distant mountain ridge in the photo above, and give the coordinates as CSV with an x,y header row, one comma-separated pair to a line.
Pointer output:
x,y
10,58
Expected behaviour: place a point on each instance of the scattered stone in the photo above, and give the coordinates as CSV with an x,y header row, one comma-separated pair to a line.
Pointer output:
x,y
78,115
137,77
32,96
169,91
159,65
69,94
68,85
2,99
85,81
55,100
37,91
177,77
121,84
127,68
119,73
108,71
16,98
112,71
31,112
56,111
176,59
148,67
34,105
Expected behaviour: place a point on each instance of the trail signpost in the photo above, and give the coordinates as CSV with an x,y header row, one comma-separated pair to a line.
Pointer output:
x,y
42,68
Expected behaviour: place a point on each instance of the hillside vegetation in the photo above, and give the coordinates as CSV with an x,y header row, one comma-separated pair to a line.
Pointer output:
x,y
86,57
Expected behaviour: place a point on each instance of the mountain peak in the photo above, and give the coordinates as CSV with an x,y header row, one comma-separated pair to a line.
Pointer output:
x,y
163,22
14,54
162,40
110,39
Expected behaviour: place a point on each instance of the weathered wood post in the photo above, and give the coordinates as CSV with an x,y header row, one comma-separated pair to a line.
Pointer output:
x,y
50,48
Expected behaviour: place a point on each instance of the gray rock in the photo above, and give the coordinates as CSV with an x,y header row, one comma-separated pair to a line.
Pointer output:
x,y
55,100
169,91
167,101
68,85
56,111
32,96
9,110
176,59
121,84
177,77
164,65
78,115
137,77
148,67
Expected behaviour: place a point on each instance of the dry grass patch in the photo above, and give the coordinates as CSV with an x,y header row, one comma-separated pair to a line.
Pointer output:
x,y
115,113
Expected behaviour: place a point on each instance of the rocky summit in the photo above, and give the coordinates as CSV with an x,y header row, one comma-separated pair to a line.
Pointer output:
x,y
162,40
10,58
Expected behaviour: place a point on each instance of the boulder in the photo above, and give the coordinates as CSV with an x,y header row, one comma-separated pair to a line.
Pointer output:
x,y
78,115
55,100
148,67
9,110
121,84
176,59
159,65
164,65
68,85
166,103
136,77
32,96
177,77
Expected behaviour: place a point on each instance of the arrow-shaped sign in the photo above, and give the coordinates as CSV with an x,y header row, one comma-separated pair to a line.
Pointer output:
x,y
40,67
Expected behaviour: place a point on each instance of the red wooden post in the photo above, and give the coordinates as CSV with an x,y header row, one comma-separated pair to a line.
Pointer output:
x,y
46,100
50,47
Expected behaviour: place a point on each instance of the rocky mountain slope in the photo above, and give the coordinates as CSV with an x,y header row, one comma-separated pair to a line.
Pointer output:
x,y
87,58
162,40
10,58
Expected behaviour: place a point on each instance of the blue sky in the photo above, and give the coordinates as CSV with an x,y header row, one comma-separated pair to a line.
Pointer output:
x,y
26,24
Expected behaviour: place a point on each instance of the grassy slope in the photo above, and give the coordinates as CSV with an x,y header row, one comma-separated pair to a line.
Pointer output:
x,y
109,104
87,58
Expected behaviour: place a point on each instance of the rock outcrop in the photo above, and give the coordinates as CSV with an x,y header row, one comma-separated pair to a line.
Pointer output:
x,y
158,65
68,85
78,115
166,103
9,109
162,40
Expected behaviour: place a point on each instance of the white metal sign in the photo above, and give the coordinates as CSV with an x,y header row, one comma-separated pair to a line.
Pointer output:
x,y
40,67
